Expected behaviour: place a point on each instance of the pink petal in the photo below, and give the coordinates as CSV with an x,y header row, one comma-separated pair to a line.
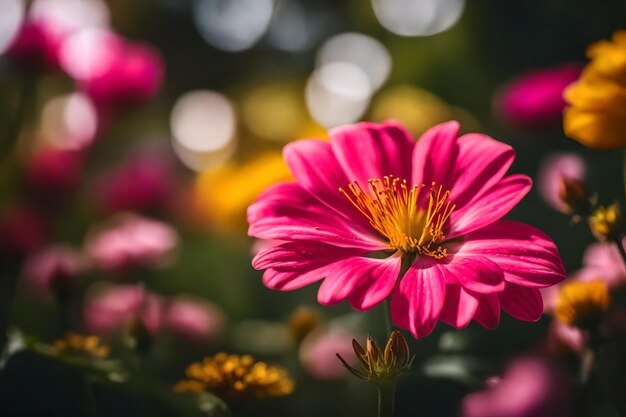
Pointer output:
x,y
488,311
435,154
286,211
491,205
526,255
482,162
289,279
476,273
367,281
418,299
369,150
522,303
459,307
300,255
604,261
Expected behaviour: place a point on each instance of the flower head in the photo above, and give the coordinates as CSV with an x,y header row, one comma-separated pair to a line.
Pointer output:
x,y
53,268
535,99
596,112
194,319
561,184
80,345
372,200
582,304
239,377
606,223
318,352
378,366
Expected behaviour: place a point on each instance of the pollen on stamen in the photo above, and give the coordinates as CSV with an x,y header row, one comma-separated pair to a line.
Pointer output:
x,y
393,209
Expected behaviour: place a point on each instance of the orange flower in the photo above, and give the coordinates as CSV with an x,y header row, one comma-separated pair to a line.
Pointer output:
x,y
596,112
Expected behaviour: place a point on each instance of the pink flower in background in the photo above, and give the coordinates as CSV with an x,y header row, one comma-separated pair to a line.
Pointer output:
x,y
194,319
529,387
111,309
22,230
52,267
129,74
553,170
36,46
52,171
603,260
437,205
144,182
318,353
131,241
535,99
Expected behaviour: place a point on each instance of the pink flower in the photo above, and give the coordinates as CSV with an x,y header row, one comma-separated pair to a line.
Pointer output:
x,y
53,171
372,199
553,170
111,309
194,319
22,230
144,182
530,387
53,266
131,241
318,353
132,75
36,46
535,99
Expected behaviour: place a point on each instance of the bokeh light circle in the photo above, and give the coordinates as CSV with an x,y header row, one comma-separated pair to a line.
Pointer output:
x,y
11,17
203,125
418,17
69,121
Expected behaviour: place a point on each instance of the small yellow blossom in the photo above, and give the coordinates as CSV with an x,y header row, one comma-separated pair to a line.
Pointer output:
x,y
596,112
582,304
236,376
80,345
606,222
224,194
378,366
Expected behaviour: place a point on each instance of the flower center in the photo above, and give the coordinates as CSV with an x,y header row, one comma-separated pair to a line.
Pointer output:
x,y
393,209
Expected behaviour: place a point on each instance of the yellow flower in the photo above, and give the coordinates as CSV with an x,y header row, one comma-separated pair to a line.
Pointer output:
x,y
582,304
606,223
79,345
596,112
238,377
224,194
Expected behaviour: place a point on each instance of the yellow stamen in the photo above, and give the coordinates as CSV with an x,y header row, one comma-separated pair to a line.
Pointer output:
x,y
392,208
582,304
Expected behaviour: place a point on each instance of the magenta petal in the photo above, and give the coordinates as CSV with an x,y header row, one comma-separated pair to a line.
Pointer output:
x,y
366,281
288,280
482,162
300,255
417,301
435,154
488,311
490,206
522,303
526,255
369,150
288,212
459,307
476,273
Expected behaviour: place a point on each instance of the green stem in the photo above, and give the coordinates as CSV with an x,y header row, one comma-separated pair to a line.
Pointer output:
x,y
26,100
386,399
91,405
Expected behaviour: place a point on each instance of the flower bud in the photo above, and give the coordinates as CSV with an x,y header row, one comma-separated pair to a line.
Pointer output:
x,y
381,367
574,197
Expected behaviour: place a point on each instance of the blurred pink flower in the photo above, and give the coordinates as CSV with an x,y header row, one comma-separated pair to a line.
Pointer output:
x,y
22,230
553,169
36,46
53,266
194,319
318,353
535,99
112,309
52,171
131,241
437,204
132,75
529,387
146,181
564,338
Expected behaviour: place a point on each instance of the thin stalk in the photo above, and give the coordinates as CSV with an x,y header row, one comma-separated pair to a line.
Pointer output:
x,y
386,399
388,323
25,102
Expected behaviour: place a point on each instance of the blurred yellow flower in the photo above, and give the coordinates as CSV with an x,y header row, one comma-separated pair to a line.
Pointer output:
x,y
80,345
596,112
238,377
582,304
223,194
